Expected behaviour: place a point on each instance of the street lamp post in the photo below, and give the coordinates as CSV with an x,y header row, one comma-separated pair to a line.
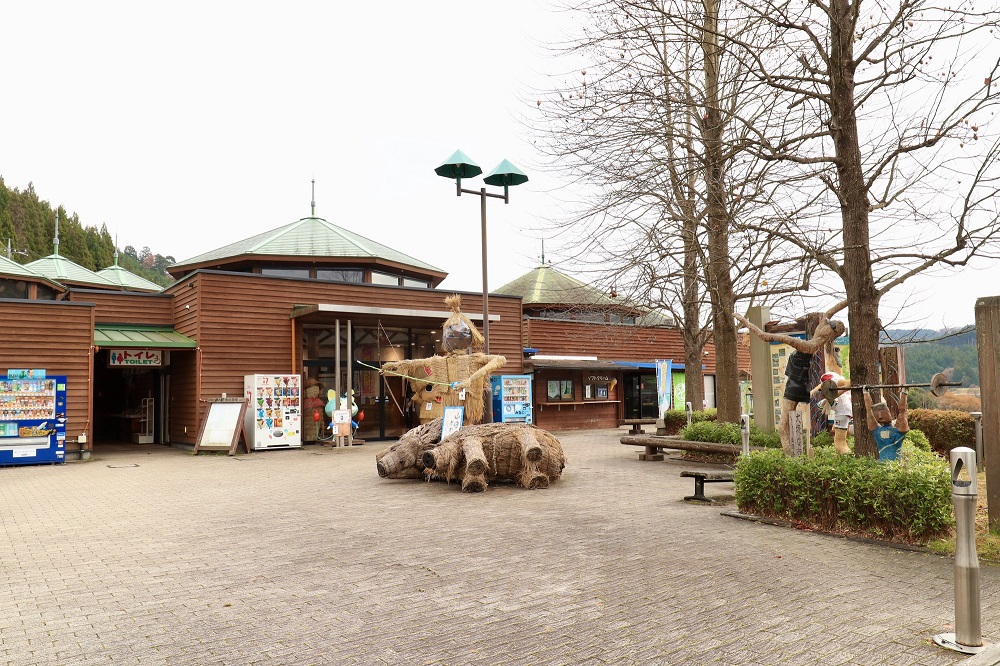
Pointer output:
x,y
458,166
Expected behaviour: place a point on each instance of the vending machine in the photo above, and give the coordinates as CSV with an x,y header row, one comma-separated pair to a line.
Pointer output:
x,y
274,411
512,399
32,418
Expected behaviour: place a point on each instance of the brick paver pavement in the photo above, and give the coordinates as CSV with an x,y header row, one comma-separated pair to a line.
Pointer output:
x,y
156,556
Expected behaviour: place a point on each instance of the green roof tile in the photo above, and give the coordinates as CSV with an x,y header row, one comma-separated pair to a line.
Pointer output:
x,y
127,280
309,237
62,269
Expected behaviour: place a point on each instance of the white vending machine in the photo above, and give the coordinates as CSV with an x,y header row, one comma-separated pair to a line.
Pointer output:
x,y
274,411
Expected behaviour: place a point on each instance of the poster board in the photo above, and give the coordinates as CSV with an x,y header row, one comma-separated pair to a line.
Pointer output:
x,y
222,426
342,422
452,421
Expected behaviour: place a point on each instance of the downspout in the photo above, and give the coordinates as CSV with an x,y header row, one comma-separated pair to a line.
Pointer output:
x,y
294,371
197,391
82,445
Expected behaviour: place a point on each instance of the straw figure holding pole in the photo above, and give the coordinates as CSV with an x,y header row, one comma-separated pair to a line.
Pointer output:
x,y
459,378
797,368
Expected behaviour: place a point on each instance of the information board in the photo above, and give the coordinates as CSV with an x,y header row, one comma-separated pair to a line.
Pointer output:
x,y
222,426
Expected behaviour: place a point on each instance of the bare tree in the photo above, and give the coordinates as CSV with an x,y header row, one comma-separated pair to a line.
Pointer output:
x,y
882,121
648,126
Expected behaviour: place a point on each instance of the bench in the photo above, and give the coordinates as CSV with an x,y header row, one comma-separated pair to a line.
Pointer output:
x,y
635,425
701,478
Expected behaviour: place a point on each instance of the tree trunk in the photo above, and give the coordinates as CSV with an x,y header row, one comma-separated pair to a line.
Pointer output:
x,y
720,281
863,299
694,376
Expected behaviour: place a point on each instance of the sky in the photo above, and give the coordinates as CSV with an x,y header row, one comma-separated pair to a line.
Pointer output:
x,y
189,125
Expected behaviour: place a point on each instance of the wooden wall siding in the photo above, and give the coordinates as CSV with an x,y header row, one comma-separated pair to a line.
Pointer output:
x,y
582,417
242,325
119,307
56,336
612,342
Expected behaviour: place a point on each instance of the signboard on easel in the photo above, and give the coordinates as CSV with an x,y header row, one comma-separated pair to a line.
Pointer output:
x,y
222,427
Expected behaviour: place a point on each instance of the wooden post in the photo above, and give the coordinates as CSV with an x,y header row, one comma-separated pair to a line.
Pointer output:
x,y
988,342
893,372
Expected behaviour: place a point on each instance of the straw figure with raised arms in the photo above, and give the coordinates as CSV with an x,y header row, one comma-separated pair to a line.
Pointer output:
x,y
459,378
797,367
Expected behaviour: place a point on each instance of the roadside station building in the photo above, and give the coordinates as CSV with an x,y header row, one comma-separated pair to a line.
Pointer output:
x,y
314,299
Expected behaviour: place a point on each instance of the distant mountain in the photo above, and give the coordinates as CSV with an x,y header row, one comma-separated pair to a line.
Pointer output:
x,y
27,228
927,352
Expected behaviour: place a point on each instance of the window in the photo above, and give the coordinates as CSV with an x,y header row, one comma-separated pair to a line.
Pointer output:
x,y
410,282
340,274
384,278
595,391
286,272
13,288
560,389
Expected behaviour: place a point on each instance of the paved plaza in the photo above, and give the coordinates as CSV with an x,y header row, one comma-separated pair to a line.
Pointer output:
x,y
157,556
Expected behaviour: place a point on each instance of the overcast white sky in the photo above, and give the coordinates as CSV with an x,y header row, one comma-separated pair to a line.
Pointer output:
x,y
189,125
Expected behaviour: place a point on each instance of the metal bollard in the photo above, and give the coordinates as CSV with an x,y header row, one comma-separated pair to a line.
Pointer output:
x,y
968,636
980,458
745,432
689,410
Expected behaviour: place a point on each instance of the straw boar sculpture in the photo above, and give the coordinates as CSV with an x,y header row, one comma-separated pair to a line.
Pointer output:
x,y
476,455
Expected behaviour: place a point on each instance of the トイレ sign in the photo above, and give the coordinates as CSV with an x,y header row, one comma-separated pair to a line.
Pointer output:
x,y
128,357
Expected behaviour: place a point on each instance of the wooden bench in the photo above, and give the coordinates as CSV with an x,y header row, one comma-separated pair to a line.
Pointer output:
x,y
655,445
635,425
703,477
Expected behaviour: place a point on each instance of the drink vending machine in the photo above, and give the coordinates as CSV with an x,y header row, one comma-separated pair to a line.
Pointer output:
x,y
512,399
32,418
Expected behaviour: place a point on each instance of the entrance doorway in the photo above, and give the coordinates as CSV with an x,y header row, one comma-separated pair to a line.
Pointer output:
x,y
129,401
640,397
384,408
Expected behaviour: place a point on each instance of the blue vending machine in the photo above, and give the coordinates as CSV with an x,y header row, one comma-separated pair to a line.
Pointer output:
x,y
32,418
512,399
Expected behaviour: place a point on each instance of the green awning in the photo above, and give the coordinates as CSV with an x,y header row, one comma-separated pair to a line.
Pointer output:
x,y
152,337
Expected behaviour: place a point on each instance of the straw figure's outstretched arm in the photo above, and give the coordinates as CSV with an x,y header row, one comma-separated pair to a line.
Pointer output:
x,y
825,333
404,367
494,363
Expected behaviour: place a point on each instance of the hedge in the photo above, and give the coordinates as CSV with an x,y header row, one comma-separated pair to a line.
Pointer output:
x,y
905,500
675,419
945,429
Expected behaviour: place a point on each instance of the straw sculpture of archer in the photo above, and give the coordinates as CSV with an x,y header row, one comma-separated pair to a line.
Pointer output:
x,y
456,379
797,367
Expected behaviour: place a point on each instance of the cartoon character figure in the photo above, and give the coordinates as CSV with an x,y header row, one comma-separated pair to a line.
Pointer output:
x,y
842,410
888,434
332,403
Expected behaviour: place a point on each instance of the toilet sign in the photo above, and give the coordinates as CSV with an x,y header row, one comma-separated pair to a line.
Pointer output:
x,y
120,358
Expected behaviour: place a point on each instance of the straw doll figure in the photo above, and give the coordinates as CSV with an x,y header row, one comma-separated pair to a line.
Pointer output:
x,y
459,378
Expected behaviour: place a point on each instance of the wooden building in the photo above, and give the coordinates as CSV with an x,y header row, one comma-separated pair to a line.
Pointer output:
x,y
314,299
594,357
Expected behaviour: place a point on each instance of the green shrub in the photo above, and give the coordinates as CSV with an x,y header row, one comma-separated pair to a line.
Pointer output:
x,y
918,439
676,419
945,429
907,500
728,433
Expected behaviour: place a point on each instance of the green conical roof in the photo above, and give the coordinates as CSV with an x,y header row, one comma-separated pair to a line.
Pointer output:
x,y
10,268
309,237
547,286
63,270
127,280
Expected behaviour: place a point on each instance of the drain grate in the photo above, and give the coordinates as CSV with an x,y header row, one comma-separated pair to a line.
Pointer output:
x,y
120,466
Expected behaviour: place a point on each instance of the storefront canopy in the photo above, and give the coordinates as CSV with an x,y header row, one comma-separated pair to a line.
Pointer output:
x,y
146,337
